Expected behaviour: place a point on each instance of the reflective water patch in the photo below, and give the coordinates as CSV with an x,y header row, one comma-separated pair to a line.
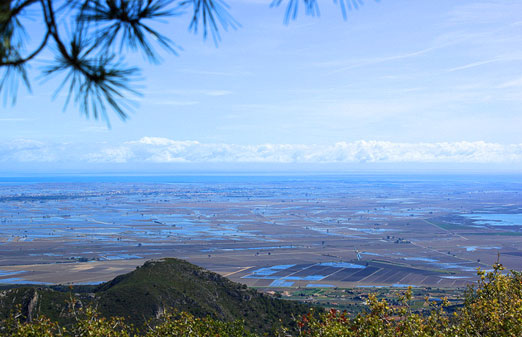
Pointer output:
x,y
342,265
281,283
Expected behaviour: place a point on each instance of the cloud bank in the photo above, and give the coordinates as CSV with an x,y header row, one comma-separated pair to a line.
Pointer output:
x,y
165,150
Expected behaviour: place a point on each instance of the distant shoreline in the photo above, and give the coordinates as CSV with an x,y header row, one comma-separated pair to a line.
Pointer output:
x,y
239,177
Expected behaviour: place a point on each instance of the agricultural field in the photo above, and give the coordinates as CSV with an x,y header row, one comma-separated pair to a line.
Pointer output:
x,y
355,300
276,233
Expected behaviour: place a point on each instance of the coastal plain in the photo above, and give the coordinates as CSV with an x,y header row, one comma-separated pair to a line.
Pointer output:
x,y
266,232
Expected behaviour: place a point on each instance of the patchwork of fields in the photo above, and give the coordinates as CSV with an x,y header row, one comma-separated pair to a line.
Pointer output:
x,y
274,232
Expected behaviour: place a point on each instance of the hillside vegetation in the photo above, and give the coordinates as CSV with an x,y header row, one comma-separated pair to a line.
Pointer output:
x,y
492,308
149,292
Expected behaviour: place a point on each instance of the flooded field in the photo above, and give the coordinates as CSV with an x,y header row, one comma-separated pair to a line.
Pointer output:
x,y
279,231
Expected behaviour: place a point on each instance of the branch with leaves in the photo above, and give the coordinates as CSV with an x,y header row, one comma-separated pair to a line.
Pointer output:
x,y
88,38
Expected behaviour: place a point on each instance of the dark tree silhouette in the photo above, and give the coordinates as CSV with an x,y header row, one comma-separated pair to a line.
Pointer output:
x,y
87,38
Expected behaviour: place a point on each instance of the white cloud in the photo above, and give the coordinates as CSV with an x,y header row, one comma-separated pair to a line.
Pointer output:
x,y
165,150
474,64
174,102
26,150
510,84
485,12
120,154
373,61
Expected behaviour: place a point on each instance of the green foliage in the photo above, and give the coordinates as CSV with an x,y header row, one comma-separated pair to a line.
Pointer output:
x,y
88,323
495,307
492,308
184,324
17,325
173,283
88,38
150,290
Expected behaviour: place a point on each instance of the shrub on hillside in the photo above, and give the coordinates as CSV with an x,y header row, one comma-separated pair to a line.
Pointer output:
x,y
492,308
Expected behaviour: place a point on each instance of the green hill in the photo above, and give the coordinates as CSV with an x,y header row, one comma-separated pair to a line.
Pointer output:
x,y
492,308
150,291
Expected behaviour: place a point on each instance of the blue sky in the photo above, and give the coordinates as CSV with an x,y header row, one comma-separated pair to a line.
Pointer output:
x,y
399,82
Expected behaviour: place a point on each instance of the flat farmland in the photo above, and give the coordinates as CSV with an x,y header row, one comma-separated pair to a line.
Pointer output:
x,y
270,232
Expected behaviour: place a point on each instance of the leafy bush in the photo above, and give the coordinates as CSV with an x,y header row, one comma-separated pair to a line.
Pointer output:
x,y
492,308
186,325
